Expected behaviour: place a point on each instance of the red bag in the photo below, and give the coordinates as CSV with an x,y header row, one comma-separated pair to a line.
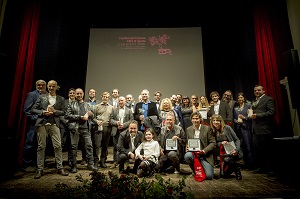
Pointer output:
x,y
199,171
223,167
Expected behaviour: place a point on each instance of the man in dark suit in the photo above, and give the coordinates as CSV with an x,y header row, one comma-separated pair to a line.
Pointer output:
x,y
128,141
144,109
49,108
119,121
30,144
220,107
263,127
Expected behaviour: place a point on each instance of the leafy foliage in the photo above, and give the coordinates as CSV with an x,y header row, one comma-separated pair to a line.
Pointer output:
x,y
123,186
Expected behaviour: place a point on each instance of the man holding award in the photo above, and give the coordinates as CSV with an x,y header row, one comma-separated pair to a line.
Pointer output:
x,y
172,140
207,144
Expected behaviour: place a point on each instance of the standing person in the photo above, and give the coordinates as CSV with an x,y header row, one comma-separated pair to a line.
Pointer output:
x,y
171,157
49,108
225,134
102,114
228,98
114,98
157,97
242,128
186,110
30,144
148,159
263,127
128,141
144,109
130,103
119,120
207,145
177,108
94,127
219,107
79,115
64,129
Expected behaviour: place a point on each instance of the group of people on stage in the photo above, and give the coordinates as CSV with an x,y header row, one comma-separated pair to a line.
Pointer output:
x,y
153,135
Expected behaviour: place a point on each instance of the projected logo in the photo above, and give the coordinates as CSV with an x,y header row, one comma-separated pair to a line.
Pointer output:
x,y
160,41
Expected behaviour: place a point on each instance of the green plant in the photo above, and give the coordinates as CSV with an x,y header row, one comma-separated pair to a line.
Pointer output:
x,y
123,186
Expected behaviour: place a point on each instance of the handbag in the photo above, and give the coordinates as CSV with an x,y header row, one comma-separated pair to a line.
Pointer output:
x,y
198,168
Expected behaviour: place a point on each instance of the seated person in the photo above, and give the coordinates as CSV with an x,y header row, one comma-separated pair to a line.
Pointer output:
x,y
207,145
128,141
225,134
147,160
171,157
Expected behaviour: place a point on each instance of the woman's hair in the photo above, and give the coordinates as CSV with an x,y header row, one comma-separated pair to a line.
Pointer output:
x,y
218,118
183,105
162,104
151,131
206,103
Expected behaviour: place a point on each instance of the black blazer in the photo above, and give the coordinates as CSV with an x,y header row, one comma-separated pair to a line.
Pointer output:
x,y
152,111
124,142
265,111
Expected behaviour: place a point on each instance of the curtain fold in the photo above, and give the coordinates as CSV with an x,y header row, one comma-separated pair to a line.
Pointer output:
x,y
24,71
267,56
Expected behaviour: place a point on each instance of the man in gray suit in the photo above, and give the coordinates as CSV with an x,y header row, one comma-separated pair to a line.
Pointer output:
x,y
49,108
119,120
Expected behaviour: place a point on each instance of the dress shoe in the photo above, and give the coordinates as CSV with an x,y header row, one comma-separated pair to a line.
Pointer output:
x,y
62,172
92,168
39,174
238,174
73,170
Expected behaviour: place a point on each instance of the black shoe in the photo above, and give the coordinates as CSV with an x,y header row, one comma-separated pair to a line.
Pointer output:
x,y
62,172
39,174
92,168
73,170
238,175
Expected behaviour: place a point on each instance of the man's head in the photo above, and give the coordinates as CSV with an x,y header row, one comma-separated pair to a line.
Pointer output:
x,y
40,86
71,94
52,86
133,127
157,95
115,93
105,97
145,95
196,118
79,94
259,90
227,96
214,96
170,120
122,101
92,93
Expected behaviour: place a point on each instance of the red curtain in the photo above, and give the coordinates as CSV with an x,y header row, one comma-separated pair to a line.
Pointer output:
x,y
24,71
267,51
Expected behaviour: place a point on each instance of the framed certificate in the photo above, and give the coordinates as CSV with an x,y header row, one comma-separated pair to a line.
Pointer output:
x,y
171,145
194,144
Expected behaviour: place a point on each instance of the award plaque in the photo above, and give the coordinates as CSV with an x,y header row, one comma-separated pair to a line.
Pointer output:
x,y
194,144
171,145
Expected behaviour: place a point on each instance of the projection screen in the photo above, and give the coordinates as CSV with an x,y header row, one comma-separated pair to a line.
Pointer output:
x,y
169,60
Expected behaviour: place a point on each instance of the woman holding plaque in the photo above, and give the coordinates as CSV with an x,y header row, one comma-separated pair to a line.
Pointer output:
x,y
228,145
242,128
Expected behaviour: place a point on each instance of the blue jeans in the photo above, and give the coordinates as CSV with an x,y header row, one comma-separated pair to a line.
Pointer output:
x,y
30,147
208,168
